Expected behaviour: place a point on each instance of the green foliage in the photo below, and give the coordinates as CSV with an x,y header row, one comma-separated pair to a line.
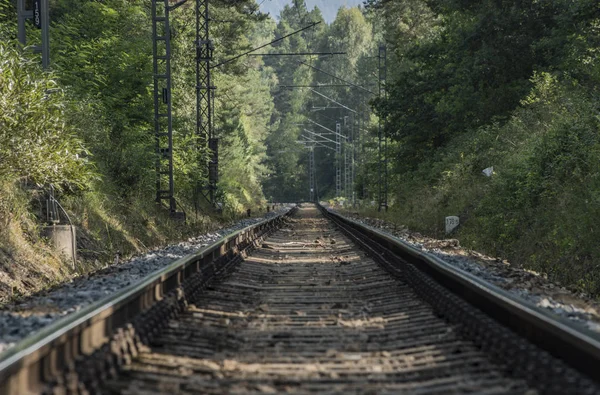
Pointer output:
x,y
475,70
88,125
287,178
242,109
469,85
502,84
539,207
350,33
35,143
102,51
8,20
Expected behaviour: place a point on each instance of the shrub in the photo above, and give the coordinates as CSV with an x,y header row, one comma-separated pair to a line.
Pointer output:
x,y
35,142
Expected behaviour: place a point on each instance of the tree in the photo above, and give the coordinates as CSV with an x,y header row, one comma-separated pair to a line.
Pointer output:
x,y
286,158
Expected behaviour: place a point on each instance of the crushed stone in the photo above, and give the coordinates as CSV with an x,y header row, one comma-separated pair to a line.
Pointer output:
x,y
22,318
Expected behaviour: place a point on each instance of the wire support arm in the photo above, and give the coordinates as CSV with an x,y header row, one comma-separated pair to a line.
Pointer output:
x,y
309,140
333,101
336,77
177,5
265,45
324,127
321,136
299,54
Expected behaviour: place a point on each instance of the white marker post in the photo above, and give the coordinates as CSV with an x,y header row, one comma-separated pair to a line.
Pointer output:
x,y
452,223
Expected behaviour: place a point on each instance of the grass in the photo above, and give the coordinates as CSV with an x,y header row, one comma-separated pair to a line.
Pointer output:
x,y
106,225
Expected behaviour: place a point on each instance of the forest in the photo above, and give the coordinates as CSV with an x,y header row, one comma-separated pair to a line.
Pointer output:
x,y
463,86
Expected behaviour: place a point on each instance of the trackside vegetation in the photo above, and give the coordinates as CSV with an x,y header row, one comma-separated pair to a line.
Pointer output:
x,y
85,128
469,86
513,85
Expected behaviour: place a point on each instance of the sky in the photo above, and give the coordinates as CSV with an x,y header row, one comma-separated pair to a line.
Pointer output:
x,y
328,7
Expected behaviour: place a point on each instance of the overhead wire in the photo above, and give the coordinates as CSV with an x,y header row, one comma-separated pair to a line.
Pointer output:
x,y
265,45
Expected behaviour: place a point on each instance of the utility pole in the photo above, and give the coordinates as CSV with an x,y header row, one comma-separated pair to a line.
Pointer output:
x,y
361,136
353,135
163,116
382,143
311,172
342,140
347,161
311,145
338,158
162,94
311,142
205,92
319,139
353,162
40,16
205,98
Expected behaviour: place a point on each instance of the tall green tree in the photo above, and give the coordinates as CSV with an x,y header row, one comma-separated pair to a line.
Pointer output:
x,y
286,158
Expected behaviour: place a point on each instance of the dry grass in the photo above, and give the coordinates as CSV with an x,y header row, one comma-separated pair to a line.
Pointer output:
x,y
106,226
27,263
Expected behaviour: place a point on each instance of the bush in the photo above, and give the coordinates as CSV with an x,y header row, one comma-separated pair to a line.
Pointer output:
x,y
35,143
539,207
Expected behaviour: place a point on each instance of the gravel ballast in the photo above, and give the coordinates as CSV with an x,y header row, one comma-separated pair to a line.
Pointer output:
x,y
22,318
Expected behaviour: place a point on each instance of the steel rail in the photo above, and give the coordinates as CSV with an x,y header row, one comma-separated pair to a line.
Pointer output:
x,y
577,346
29,366
35,361
308,297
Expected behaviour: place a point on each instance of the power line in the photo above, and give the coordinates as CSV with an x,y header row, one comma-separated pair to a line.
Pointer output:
x,y
313,86
177,5
265,45
258,6
324,127
323,108
321,136
299,54
309,140
330,99
336,77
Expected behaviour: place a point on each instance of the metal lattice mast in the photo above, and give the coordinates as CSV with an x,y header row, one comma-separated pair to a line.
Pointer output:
x,y
347,161
382,143
205,97
367,175
311,172
338,157
362,138
163,122
353,162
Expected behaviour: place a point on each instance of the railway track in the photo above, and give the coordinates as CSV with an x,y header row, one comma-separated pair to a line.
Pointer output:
x,y
307,311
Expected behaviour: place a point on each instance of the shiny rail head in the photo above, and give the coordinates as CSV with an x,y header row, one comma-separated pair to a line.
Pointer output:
x,y
578,346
